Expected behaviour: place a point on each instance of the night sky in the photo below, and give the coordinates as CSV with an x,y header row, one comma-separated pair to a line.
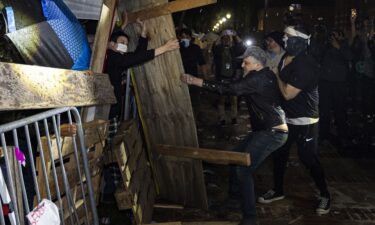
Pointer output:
x,y
244,12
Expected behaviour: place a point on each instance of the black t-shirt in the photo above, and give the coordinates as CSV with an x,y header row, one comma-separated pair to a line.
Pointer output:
x,y
301,73
262,95
192,56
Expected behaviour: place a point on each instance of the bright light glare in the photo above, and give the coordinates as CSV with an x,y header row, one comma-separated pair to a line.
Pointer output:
x,y
228,16
224,19
220,21
248,42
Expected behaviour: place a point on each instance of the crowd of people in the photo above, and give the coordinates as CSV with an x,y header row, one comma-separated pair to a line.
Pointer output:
x,y
298,86
299,89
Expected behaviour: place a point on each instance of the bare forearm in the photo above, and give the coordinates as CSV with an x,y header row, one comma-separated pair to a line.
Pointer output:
x,y
160,50
197,82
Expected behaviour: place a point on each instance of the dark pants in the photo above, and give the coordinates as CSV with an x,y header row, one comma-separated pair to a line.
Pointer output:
x,y
306,137
260,145
332,97
367,86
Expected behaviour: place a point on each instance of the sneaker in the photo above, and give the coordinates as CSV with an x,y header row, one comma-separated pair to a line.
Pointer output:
x,y
270,196
324,206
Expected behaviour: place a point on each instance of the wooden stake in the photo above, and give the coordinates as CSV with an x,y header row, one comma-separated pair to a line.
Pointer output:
x,y
210,155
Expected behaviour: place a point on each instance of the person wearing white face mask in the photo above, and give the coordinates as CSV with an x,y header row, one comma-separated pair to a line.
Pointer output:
x,y
119,59
192,60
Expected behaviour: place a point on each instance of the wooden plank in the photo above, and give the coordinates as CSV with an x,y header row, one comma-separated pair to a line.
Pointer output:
x,y
15,173
95,133
210,155
166,114
168,206
103,32
35,87
136,172
168,8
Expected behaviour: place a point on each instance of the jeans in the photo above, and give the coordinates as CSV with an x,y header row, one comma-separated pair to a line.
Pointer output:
x,y
260,145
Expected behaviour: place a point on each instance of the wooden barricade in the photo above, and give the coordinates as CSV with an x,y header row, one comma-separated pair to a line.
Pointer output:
x,y
95,134
139,189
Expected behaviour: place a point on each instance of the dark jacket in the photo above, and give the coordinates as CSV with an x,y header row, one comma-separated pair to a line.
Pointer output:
x,y
262,95
117,64
192,56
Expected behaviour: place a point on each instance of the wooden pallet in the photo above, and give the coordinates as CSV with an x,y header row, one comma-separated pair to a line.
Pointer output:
x,y
132,159
95,134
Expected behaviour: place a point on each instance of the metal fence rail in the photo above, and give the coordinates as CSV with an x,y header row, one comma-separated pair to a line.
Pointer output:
x,y
23,187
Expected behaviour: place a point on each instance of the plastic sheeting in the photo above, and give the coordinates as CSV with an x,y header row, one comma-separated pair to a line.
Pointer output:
x,y
39,45
85,9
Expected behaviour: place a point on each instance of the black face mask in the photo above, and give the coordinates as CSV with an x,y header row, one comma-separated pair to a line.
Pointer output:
x,y
295,45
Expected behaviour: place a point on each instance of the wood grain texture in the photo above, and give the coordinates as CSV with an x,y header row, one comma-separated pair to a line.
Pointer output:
x,y
103,32
167,114
36,87
209,155
136,172
168,8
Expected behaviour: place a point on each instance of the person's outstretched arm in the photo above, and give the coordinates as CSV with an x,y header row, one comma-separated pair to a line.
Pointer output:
x,y
246,85
167,47
129,59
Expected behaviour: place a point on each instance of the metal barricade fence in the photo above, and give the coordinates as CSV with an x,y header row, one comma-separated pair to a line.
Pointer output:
x,y
21,185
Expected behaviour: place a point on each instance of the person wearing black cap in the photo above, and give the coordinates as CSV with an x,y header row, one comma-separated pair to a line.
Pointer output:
x,y
298,83
275,49
260,89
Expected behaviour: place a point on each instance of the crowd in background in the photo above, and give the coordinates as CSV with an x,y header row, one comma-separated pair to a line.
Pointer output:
x,y
345,62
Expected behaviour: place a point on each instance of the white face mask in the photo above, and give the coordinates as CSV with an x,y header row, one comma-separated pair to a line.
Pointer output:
x,y
186,42
122,48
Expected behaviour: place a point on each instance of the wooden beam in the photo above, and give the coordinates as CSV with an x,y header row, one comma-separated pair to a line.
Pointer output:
x,y
166,113
168,8
210,155
103,31
36,87
168,206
